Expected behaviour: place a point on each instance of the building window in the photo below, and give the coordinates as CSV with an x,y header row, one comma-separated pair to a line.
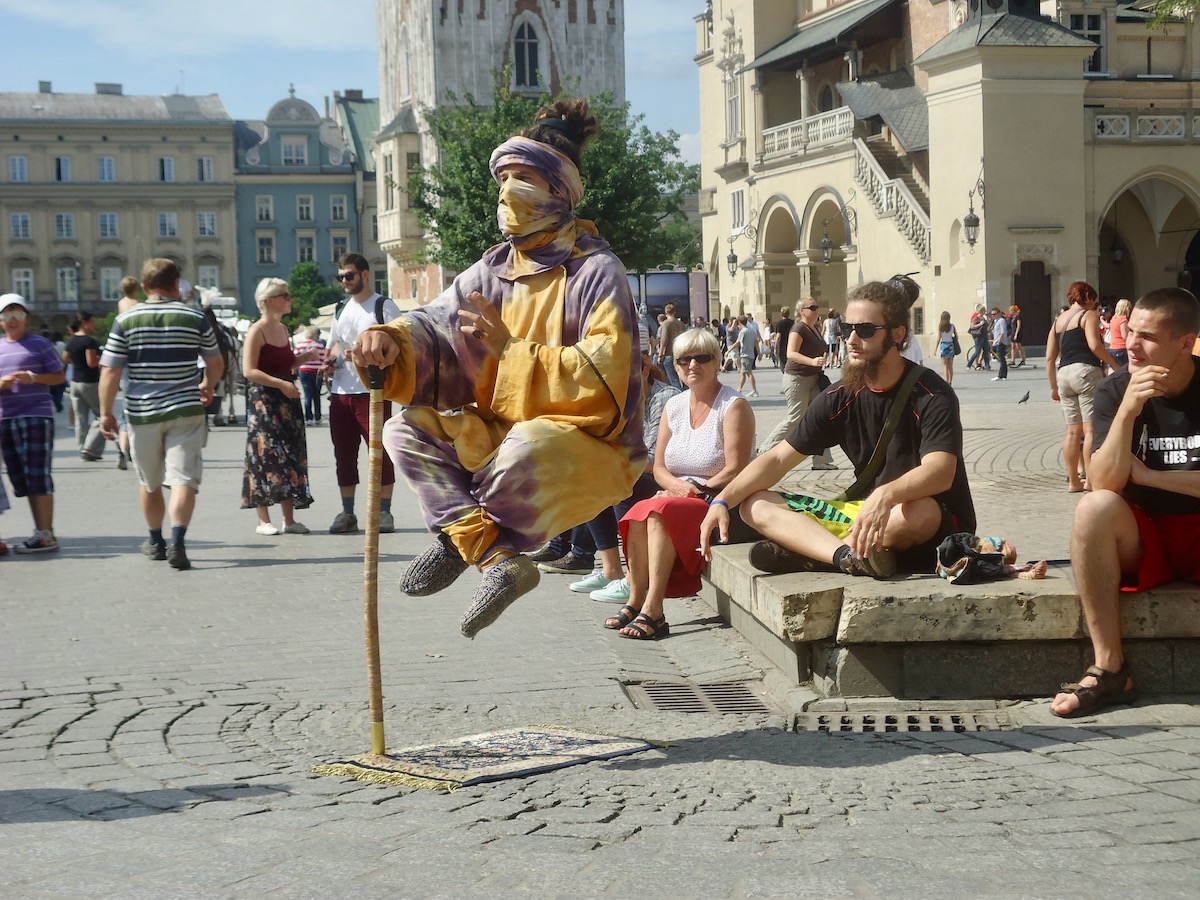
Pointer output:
x,y
106,169
379,276
18,168
19,225
22,283
339,246
306,248
266,249
1090,26
208,276
109,226
168,225
733,107
525,56
825,99
110,284
389,183
66,283
304,208
337,208
62,168
737,211
264,208
64,226
204,169
412,287
375,227
295,151
166,168
206,224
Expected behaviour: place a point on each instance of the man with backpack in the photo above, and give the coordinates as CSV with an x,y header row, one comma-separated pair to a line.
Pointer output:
x,y
349,398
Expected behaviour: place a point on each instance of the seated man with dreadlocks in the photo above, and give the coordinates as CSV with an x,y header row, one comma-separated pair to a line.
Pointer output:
x,y
911,487
521,382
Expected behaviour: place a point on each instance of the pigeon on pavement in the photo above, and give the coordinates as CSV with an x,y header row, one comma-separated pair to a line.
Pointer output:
x,y
1023,399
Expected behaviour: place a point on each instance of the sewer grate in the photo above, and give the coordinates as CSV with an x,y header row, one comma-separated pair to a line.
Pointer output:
x,y
880,722
733,697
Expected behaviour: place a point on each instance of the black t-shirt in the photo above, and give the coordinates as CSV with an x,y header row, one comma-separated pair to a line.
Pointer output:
x,y
855,421
77,347
782,327
1166,436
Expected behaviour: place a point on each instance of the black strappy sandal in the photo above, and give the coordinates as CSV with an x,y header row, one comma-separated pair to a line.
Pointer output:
x,y
624,616
1109,690
647,629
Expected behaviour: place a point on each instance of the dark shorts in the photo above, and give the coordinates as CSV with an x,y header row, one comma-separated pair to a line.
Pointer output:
x,y
922,558
1168,550
350,425
27,443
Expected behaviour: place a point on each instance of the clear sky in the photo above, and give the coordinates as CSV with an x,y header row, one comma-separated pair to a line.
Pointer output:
x,y
249,51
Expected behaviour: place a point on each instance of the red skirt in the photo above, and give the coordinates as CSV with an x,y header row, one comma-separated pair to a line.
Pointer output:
x,y
681,516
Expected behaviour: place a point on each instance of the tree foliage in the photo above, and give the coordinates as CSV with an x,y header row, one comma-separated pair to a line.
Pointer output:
x,y
634,182
1169,12
309,293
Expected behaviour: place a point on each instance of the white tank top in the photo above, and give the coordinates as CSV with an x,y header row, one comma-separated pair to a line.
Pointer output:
x,y
697,452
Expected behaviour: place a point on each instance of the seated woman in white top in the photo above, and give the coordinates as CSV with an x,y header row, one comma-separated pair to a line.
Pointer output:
x,y
705,438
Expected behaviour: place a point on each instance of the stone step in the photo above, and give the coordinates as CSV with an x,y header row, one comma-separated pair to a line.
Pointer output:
x,y
921,636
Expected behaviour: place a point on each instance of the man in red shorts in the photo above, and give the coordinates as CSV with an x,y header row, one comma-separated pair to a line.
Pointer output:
x,y
1140,525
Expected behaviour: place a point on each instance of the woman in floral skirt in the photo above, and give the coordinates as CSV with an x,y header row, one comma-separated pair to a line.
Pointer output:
x,y
276,451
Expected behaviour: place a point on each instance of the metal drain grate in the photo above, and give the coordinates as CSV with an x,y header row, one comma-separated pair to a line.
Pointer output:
x,y
960,722
735,697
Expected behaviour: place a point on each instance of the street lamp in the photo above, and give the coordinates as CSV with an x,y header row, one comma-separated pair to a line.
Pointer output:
x,y
971,221
731,261
849,215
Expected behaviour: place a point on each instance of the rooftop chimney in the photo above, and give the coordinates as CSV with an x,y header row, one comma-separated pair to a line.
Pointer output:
x,y
44,87
108,87
354,93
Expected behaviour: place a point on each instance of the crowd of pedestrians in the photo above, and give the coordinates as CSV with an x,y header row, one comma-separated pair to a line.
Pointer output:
x,y
533,430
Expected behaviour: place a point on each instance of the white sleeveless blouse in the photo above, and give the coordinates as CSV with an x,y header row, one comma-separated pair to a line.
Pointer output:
x,y
697,452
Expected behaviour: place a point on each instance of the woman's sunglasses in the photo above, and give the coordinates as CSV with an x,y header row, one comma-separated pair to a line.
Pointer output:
x,y
865,330
701,358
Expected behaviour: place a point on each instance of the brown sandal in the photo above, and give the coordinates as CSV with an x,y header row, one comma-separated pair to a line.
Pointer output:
x,y
1109,690
647,629
624,616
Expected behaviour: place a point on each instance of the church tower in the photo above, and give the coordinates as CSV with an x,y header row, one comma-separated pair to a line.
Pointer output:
x,y
432,49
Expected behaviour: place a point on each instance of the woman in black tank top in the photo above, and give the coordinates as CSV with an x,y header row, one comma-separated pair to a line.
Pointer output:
x,y
1074,353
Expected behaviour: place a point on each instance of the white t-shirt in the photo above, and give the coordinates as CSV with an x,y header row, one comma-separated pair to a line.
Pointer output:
x,y
355,319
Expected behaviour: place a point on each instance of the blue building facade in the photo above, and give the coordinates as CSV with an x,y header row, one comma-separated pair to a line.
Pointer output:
x,y
296,195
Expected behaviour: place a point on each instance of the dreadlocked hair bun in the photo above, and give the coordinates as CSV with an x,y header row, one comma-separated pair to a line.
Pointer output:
x,y
906,284
565,125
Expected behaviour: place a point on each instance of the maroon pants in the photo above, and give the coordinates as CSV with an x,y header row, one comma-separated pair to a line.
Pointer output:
x,y
349,424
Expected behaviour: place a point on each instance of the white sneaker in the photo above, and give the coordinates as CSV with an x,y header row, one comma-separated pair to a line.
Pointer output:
x,y
753,394
295,528
592,582
266,528
616,592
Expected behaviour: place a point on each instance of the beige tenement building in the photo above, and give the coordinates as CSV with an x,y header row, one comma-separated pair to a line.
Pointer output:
x,y
997,149
93,184
430,50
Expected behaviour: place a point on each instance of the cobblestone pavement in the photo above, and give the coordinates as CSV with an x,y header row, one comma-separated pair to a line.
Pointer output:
x,y
157,727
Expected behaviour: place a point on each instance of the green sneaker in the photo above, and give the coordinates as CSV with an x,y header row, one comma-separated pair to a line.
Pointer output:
x,y
593,582
616,592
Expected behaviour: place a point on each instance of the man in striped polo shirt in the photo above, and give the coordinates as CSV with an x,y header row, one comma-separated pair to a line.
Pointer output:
x,y
161,341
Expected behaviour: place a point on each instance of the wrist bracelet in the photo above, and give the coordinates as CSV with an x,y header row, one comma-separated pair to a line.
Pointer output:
x,y
719,502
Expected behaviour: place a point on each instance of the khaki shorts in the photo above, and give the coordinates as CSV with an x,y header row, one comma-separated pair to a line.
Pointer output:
x,y
169,452
1077,385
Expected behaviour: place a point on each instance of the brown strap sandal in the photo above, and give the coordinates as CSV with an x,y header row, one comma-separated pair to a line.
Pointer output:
x,y
1109,690
624,616
644,628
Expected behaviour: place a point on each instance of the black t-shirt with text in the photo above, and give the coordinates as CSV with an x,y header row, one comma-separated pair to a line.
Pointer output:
x,y
930,423
1166,436
77,347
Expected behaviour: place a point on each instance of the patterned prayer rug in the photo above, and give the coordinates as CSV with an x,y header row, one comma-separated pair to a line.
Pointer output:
x,y
494,756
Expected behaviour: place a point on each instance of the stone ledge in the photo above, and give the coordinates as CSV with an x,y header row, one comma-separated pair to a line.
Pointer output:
x,y
922,636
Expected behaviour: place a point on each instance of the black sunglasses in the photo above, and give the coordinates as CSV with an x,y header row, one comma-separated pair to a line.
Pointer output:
x,y
865,330
346,276
701,358
810,307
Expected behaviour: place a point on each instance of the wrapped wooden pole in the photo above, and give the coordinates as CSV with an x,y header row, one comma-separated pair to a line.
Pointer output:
x,y
371,557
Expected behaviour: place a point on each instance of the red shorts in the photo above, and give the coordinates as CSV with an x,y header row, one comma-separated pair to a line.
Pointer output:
x,y
1169,550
